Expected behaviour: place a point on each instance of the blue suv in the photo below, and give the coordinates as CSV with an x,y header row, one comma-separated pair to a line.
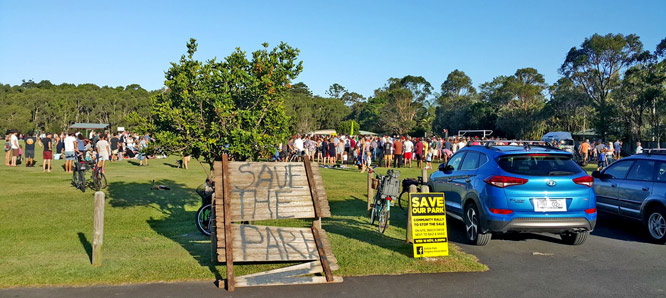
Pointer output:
x,y
635,187
499,189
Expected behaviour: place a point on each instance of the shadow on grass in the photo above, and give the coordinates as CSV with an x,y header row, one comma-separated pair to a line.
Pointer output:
x,y
358,226
176,223
86,245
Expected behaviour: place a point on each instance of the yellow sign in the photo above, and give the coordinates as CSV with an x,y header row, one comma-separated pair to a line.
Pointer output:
x,y
429,225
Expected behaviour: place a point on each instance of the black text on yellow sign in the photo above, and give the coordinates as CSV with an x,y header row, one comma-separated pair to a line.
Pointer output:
x,y
429,224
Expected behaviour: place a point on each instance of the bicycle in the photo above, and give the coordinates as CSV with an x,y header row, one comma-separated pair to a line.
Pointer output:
x,y
99,179
297,156
387,189
79,172
203,219
406,183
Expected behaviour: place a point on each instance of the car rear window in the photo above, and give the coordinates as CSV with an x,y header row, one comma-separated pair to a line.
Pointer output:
x,y
539,164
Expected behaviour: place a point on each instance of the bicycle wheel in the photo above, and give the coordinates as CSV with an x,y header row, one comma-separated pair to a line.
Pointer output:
x,y
404,204
96,182
82,181
102,179
203,220
373,211
75,179
384,214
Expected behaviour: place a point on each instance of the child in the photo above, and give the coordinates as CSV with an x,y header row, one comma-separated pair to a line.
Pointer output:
x,y
429,159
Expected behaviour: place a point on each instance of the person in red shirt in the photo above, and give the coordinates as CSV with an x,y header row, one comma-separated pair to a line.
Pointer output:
x,y
418,150
397,152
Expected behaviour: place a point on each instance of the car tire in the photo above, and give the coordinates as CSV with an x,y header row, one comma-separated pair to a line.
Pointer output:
x,y
655,222
574,238
472,227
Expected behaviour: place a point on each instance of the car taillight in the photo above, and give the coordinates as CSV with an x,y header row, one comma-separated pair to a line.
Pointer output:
x,y
591,210
585,180
500,211
504,181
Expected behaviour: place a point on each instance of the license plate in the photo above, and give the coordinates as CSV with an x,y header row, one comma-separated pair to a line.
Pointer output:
x,y
549,205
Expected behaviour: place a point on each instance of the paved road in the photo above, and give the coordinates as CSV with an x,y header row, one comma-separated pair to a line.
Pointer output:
x,y
614,262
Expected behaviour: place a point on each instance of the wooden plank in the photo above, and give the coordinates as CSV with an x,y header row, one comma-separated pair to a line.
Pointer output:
x,y
293,281
98,228
321,191
228,233
313,188
295,270
218,206
322,255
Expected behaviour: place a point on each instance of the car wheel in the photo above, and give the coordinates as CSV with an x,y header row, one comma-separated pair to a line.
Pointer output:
x,y
472,227
656,224
574,238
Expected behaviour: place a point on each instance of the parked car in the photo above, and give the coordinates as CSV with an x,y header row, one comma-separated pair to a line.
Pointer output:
x,y
635,187
499,189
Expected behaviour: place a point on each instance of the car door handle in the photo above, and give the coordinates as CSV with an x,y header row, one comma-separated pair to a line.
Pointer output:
x,y
645,189
467,180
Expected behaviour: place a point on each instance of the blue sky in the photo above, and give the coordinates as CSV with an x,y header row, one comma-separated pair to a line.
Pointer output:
x,y
358,44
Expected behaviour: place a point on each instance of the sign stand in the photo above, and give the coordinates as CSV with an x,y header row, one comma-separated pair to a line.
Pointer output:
x,y
255,191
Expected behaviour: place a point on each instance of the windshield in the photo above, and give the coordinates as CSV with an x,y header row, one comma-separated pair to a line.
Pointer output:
x,y
539,164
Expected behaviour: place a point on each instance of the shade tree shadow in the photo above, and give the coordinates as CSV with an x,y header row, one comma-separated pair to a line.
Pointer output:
x,y
176,223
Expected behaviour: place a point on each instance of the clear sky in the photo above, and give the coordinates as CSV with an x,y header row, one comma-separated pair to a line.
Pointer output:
x,y
358,44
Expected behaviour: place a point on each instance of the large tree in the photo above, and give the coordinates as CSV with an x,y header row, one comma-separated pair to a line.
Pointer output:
x,y
456,98
235,105
597,67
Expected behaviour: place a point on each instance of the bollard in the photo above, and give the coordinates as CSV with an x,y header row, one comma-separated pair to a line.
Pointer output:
x,y
98,229
424,174
412,189
369,191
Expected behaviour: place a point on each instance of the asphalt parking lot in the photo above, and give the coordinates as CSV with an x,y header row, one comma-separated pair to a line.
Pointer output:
x,y
616,261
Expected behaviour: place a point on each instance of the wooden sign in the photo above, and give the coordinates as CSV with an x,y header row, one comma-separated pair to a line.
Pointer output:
x,y
254,191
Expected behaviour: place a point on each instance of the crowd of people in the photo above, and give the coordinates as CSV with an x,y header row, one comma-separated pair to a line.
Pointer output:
x,y
387,151
406,151
97,147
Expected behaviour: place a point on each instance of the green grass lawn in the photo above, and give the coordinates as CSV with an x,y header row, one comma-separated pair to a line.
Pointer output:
x,y
46,229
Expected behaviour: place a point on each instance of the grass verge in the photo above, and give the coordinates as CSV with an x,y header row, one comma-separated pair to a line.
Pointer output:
x,y
46,229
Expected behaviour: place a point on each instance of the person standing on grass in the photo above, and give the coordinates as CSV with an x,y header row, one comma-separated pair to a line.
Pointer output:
x,y
46,143
114,147
388,152
103,150
585,150
397,152
70,146
418,151
331,151
30,141
408,147
8,149
143,147
13,141
639,148
617,149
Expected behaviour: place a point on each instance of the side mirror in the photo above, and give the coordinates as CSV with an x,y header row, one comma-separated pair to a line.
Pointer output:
x,y
445,168
442,166
598,175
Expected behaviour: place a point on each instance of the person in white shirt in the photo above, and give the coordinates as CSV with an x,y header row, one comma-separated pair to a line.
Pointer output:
x,y
461,144
13,141
70,152
409,148
639,148
298,144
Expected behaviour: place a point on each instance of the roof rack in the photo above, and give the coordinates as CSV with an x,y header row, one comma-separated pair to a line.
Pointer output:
x,y
659,151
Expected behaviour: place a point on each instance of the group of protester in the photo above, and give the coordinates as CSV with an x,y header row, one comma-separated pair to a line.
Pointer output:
x,y
405,151
97,147
389,151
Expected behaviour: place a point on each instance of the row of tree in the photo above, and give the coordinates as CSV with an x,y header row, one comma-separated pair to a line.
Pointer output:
x,y
609,83
42,106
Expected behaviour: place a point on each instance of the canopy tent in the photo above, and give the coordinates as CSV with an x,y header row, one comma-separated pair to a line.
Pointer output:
x,y
323,132
89,126
366,133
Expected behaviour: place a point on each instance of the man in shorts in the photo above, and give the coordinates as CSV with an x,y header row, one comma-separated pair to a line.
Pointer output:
x,y
103,150
13,140
408,148
46,143
30,141
114,147
388,152
70,152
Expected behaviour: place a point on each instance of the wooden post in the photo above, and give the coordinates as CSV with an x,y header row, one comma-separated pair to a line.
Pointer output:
x,y
412,189
226,202
369,191
98,229
424,174
313,193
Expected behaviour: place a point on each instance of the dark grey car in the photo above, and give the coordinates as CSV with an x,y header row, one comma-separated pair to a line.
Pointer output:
x,y
635,187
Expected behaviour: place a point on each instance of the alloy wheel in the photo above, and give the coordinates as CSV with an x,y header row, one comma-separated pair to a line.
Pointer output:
x,y
657,225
